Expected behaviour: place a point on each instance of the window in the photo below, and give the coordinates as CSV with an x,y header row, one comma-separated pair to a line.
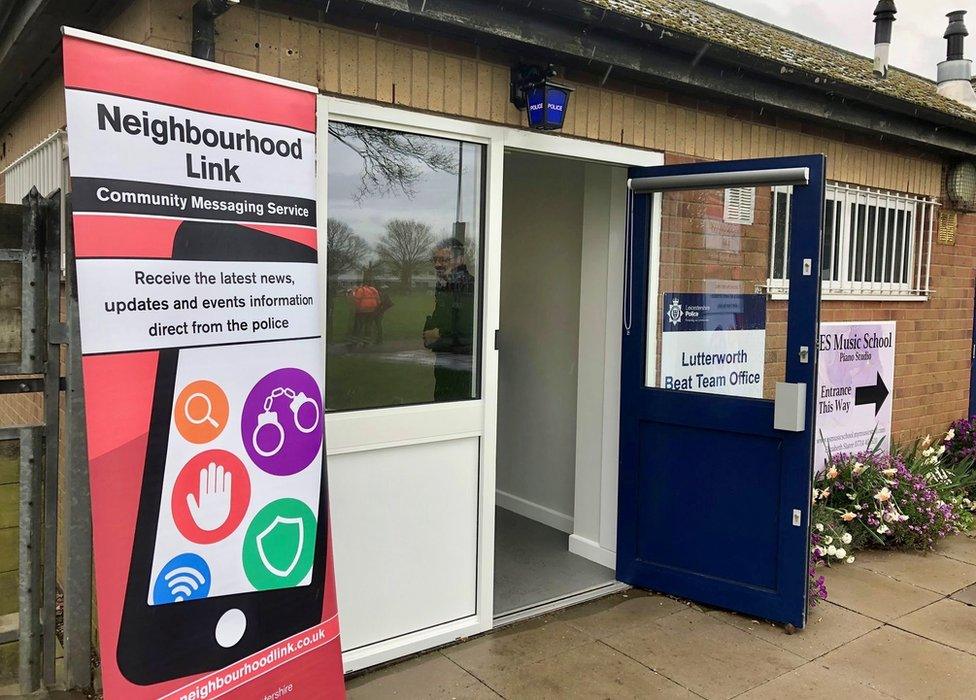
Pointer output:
x,y
874,243
403,299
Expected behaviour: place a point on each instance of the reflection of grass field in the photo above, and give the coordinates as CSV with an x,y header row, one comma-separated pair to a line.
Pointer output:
x,y
357,379
403,321
361,381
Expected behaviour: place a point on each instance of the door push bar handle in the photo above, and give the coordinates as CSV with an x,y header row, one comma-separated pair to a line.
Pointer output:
x,y
790,407
740,178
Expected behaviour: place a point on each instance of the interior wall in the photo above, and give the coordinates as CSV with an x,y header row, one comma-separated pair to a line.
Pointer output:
x,y
542,225
598,394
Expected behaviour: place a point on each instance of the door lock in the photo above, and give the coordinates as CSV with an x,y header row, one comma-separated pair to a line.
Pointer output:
x,y
790,407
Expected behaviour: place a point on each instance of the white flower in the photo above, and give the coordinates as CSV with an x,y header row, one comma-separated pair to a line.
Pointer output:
x,y
857,469
927,440
819,527
928,451
883,529
883,495
841,553
846,538
891,471
831,550
818,551
848,517
828,539
832,473
850,560
941,450
902,518
950,435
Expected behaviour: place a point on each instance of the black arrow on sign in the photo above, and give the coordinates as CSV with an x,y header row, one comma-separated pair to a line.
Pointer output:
x,y
872,393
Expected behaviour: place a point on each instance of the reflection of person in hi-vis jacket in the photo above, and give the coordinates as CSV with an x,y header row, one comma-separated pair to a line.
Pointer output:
x,y
449,331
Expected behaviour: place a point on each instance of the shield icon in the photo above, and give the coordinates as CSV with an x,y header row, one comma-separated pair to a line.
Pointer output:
x,y
282,541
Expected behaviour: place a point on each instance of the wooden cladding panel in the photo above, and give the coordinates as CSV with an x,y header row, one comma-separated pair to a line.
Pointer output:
x,y
357,65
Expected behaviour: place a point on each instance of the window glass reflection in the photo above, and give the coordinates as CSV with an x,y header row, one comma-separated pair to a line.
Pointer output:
x,y
404,238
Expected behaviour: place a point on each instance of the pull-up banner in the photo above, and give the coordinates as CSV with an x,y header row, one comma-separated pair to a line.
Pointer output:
x,y
193,195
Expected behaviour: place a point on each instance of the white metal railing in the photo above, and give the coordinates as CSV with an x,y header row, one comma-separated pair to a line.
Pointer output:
x,y
876,244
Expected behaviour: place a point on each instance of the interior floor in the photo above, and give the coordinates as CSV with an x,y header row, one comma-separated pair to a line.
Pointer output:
x,y
533,564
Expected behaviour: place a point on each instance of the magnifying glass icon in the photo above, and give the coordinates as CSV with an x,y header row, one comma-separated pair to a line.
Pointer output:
x,y
207,416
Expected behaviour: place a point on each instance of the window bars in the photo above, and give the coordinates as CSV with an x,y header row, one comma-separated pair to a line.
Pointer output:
x,y
876,244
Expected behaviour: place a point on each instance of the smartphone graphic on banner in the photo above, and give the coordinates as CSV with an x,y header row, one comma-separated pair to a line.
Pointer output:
x,y
229,554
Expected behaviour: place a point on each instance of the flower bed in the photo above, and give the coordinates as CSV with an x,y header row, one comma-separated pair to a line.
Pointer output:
x,y
908,498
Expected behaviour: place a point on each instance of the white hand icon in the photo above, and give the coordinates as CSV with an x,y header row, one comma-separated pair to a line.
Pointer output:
x,y
211,507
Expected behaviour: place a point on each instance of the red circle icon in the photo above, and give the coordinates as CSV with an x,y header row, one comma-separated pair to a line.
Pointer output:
x,y
210,496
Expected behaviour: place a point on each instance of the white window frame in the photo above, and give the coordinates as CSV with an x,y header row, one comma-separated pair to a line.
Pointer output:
x,y
370,429
919,212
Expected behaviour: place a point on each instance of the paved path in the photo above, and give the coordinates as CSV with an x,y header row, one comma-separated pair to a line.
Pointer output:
x,y
899,626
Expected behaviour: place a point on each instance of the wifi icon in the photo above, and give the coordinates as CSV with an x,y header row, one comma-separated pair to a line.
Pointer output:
x,y
185,577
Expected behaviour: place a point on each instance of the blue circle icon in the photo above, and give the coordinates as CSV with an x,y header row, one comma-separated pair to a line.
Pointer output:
x,y
185,577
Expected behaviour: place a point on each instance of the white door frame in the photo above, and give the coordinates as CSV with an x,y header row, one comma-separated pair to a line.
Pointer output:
x,y
351,431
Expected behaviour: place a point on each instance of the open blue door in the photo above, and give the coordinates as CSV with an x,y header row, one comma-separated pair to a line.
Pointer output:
x,y
719,376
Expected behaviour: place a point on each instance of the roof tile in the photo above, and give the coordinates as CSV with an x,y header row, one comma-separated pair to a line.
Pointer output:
x,y
720,25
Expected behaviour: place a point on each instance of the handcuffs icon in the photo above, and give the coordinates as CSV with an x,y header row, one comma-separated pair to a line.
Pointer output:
x,y
269,417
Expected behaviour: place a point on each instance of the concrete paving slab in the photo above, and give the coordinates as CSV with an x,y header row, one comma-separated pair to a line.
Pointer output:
x,y
932,571
813,682
947,621
511,647
961,547
828,627
616,613
905,665
430,676
875,595
967,595
704,655
593,670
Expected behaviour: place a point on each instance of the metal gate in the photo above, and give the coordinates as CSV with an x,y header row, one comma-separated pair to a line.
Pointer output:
x,y
40,356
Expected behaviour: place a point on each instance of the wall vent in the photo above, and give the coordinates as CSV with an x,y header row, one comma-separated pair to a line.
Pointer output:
x,y
740,205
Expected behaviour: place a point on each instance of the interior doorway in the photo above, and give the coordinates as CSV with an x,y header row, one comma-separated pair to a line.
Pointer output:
x,y
550,382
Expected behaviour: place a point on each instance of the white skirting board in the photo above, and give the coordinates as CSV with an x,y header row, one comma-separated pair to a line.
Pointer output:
x,y
534,511
588,549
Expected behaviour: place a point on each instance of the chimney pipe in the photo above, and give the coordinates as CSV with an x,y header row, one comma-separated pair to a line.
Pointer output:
x,y
884,17
955,73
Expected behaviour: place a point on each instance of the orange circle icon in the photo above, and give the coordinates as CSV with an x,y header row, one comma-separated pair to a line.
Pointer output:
x,y
201,411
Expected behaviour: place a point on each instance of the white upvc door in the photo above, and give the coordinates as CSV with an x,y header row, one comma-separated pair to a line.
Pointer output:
x,y
412,487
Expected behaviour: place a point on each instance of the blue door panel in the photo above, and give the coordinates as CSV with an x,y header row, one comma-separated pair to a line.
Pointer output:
x,y
726,525
707,486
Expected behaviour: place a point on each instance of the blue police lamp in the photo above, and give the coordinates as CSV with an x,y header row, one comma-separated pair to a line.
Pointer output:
x,y
544,101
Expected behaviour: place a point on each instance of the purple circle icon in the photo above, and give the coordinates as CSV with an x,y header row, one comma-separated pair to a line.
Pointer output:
x,y
281,424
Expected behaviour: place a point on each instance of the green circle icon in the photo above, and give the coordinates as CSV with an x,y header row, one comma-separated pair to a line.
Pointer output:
x,y
279,547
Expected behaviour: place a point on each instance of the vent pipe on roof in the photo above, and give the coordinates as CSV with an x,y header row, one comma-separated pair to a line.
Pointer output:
x,y
204,30
956,72
884,17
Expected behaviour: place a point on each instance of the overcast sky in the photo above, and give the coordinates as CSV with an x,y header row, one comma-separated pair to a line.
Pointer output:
x,y
916,43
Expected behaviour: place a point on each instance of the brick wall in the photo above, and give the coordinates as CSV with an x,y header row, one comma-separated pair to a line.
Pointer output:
x,y
438,74
933,338
433,73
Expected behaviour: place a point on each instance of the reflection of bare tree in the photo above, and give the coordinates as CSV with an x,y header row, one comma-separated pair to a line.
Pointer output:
x,y
392,160
346,252
404,247
346,249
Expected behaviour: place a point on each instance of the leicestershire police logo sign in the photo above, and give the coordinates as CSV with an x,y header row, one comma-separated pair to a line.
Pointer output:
x,y
674,312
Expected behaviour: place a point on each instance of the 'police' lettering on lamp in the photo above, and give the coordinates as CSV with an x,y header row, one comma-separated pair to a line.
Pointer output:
x,y
545,102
